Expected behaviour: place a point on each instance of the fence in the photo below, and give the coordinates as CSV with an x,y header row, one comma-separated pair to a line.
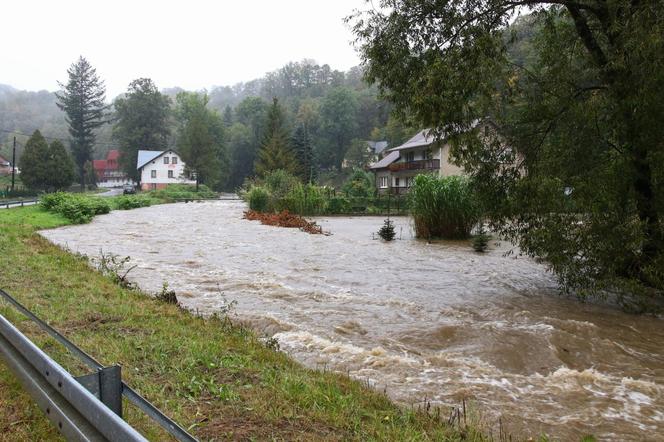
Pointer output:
x,y
83,408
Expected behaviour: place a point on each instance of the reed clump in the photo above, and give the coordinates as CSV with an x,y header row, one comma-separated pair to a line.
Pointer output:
x,y
443,207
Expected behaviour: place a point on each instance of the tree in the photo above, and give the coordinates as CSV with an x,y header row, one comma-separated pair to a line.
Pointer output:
x,y
338,121
61,167
241,153
228,116
142,122
83,100
580,183
304,152
200,140
34,162
358,154
45,167
276,152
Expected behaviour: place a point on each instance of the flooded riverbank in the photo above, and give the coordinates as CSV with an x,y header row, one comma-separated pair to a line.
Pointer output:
x,y
433,321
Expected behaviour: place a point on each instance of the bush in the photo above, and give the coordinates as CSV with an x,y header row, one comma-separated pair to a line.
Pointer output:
x,y
128,202
304,199
259,199
337,205
280,183
443,207
183,192
79,209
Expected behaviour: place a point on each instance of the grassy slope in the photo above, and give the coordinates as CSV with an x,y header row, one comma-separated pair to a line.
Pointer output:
x,y
216,378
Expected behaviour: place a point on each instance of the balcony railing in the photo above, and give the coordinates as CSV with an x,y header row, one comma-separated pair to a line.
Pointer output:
x,y
415,165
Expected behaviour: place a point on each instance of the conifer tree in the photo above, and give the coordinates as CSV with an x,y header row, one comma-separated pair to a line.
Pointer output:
x,y
34,163
304,152
83,100
61,166
276,152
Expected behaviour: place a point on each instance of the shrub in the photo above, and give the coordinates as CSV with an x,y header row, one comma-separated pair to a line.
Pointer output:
x,y
259,199
443,207
79,209
481,239
128,202
183,192
338,205
279,182
304,199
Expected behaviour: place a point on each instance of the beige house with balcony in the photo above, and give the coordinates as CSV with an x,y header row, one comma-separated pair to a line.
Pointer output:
x,y
421,154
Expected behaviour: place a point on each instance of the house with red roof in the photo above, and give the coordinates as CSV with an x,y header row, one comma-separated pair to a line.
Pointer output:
x,y
108,171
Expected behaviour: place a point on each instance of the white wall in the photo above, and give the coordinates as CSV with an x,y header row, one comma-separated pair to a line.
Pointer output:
x,y
162,170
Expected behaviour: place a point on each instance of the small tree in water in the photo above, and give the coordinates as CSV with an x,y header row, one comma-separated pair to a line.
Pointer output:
x,y
481,239
387,232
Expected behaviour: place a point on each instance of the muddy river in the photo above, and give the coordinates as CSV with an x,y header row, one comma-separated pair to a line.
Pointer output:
x,y
433,322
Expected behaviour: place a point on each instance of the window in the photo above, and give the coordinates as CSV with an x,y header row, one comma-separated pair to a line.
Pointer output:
x,y
410,156
382,182
174,160
153,174
170,174
409,181
165,160
396,182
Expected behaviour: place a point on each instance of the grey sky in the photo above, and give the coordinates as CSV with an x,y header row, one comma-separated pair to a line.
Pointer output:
x,y
193,44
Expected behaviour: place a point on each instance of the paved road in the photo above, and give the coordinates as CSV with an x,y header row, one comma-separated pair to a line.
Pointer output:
x,y
111,192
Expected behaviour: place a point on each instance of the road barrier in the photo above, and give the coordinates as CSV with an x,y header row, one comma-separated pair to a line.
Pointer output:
x,y
84,408
21,203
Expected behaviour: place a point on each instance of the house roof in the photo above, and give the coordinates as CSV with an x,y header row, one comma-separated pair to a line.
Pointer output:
x,y
422,138
113,155
389,159
99,164
377,146
145,156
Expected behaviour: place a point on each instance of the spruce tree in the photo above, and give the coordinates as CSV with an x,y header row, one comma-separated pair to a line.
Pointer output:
x,y
276,152
34,163
304,152
83,100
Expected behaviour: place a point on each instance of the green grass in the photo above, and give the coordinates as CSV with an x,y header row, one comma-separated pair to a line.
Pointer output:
x,y
211,375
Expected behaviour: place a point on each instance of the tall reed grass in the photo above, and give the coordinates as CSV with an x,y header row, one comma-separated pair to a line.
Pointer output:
x,y
443,207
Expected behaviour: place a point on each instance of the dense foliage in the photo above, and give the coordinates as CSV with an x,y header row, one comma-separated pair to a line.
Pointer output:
x,y
200,140
580,109
443,207
46,167
141,122
79,209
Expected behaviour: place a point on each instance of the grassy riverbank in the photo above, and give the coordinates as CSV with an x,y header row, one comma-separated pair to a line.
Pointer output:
x,y
216,378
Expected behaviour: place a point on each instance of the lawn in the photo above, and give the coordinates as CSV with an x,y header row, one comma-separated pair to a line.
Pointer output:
x,y
213,376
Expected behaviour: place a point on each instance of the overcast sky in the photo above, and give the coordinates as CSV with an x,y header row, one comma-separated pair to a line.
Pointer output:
x,y
193,44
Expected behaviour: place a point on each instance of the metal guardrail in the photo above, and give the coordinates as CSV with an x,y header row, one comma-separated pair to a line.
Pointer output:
x,y
6,204
86,408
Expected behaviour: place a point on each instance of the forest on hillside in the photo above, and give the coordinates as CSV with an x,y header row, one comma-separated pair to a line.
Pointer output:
x,y
338,110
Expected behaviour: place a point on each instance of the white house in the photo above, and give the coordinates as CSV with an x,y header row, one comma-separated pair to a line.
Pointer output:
x,y
158,169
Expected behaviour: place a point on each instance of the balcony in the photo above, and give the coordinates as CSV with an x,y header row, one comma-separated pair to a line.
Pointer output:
x,y
415,165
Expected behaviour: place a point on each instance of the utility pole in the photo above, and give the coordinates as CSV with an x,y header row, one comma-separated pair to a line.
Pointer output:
x,y
13,164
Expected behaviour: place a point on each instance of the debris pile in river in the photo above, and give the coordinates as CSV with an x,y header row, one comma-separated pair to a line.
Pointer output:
x,y
285,219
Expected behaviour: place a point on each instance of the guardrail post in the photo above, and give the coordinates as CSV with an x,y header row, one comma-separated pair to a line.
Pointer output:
x,y
106,385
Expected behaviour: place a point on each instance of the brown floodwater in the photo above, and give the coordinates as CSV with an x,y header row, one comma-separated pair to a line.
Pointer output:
x,y
433,322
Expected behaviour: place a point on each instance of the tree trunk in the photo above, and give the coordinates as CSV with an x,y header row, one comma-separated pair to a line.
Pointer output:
x,y
645,204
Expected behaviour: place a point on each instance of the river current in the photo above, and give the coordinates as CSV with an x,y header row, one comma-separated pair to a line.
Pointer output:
x,y
424,322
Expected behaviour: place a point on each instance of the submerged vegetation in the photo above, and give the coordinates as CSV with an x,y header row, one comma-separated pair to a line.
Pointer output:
x,y
284,219
443,207
280,190
214,377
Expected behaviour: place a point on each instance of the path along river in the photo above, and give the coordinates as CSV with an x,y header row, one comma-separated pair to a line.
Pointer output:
x,y
434,321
